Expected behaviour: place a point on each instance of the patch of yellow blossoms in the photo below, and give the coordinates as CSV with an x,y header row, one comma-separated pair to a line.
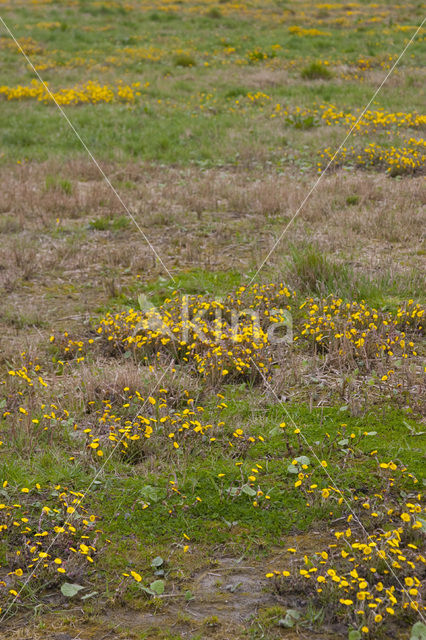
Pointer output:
x,y
45,533
408,159
89,93
365,579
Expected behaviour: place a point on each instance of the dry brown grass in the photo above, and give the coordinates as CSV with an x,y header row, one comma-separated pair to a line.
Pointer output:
x,y
106,379
52,271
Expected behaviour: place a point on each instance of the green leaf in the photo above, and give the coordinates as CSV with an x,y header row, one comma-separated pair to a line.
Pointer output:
x,y
157,562
354,635
418,631
249,490
275,431
283,622
150,493
292,468
69,590
291,617
371,433
303,460
343,442
294,613
188,595
157,587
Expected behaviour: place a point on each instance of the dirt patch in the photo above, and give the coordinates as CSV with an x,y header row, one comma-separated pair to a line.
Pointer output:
x,y
220,601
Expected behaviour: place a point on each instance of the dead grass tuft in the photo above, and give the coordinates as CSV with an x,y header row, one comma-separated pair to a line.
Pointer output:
x,y
107,379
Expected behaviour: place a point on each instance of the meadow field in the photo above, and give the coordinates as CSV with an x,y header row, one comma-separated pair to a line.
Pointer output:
x,y
212,320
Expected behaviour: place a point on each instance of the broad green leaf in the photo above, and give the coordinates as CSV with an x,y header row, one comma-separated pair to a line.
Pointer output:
x,y
150,493
294,613
275,431
286,622
290,619
157,587
354,635
157,562
418,631
69,589
249,490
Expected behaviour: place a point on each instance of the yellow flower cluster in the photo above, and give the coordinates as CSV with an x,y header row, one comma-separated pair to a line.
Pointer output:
x,y
56,538
367,579
234,338
89,93
371,121
27,44
356,330
258,55
409,159
219,338
139,419
302,32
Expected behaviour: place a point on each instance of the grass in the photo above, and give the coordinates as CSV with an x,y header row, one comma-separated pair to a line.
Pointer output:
x,y
106,224
205,55
314,273
213,152
315,71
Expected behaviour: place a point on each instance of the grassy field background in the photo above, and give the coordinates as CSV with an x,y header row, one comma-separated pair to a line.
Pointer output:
x,y
167,469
